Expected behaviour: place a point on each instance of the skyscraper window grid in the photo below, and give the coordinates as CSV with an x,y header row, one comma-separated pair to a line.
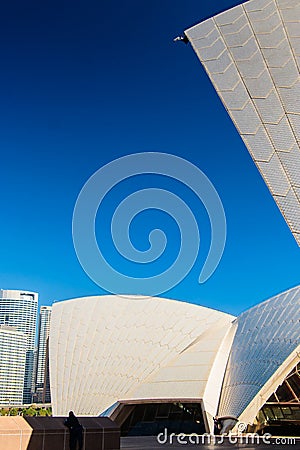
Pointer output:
x,y
19,309
43,334
13,348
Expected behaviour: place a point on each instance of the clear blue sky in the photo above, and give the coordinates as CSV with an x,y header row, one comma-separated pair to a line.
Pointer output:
x,y
85,82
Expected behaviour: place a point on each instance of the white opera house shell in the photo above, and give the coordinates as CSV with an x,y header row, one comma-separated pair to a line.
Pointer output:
x,y
152,362
155,361
251,54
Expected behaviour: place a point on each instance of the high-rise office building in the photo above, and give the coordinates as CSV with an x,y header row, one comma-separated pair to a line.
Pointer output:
x,y
46,397
44,328
19,309
13,348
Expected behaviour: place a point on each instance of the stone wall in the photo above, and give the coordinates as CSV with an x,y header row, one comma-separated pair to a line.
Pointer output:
x,y
48,433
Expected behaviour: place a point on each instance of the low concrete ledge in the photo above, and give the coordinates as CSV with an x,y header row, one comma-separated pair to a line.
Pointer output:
x,y
48,433
15,433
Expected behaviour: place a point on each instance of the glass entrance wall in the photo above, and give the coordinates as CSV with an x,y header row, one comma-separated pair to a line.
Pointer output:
x,y
152,418
282,410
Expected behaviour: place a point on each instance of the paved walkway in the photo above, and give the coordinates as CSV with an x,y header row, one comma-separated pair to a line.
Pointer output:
x,y
150,443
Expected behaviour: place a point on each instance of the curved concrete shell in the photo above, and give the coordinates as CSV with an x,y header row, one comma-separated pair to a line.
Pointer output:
x,y
252,55
265,349
134,350
117,348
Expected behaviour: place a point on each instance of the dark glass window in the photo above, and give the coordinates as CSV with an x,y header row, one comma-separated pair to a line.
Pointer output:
x,y
284,394
163,411
281,413
272,399
277,412
294,382
151,419
150,413
268,413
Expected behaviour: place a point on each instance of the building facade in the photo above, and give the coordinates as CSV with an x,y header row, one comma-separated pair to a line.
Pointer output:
x,y
43,334
13,349
18,309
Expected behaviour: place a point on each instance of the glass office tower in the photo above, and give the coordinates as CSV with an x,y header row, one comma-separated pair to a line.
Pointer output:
x,y
19,309
44,328
13,347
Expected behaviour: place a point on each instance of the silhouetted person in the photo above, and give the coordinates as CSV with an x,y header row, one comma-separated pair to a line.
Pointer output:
x,y
217,426
76,431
